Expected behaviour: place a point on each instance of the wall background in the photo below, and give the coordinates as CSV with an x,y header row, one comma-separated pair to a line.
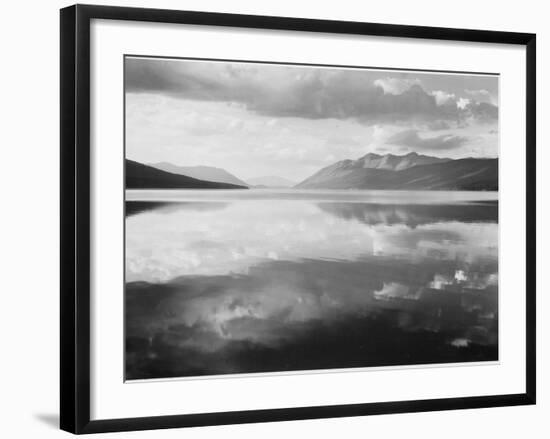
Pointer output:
x,y
29,249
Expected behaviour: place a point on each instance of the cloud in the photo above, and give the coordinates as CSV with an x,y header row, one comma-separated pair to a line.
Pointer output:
x,y
395,86
462,103
301,92
481,95
442,97
411,139
483,112
438,125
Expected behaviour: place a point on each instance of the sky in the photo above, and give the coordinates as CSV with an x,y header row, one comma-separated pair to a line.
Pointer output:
x,y
255,119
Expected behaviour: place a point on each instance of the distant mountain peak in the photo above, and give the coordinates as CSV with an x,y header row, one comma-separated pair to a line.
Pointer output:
x,y
371,155
271,181
393,162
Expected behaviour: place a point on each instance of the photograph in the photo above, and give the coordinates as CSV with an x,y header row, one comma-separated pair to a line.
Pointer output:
x,y
290,218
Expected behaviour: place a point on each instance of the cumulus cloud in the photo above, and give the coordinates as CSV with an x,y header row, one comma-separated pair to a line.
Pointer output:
x,y
462,103
395,86
303,92
412,139
442,97
483,112
481,95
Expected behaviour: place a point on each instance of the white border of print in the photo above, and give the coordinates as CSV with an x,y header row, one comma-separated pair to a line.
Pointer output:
x,y
112,398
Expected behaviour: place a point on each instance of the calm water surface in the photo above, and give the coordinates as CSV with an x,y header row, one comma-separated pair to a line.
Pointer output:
x,y
221,282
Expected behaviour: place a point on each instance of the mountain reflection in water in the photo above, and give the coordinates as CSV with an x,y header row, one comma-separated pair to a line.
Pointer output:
x,y
264,285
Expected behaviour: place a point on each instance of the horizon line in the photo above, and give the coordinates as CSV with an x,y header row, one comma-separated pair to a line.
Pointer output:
x,y
293,180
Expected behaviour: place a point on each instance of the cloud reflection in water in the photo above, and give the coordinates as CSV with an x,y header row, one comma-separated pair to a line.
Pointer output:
x,y
292,285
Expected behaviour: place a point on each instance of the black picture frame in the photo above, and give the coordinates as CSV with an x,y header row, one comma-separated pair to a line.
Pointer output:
x,y
75,217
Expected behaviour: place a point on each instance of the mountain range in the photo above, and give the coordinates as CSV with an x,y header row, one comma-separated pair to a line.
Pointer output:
x,y
372,171
408,172
140,176
393,162
208,173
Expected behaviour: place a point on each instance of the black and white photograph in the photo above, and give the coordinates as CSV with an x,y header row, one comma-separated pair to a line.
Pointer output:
x,y
286,218
275,219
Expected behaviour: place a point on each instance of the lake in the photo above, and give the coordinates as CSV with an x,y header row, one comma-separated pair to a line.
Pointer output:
x,y
248,281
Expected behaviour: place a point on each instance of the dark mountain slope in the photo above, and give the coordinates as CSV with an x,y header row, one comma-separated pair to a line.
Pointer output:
x,y
206,173
463,174
140,176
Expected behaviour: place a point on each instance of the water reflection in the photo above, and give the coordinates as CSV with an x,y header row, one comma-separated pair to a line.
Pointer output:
x,y
135,207
413,214
264,285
